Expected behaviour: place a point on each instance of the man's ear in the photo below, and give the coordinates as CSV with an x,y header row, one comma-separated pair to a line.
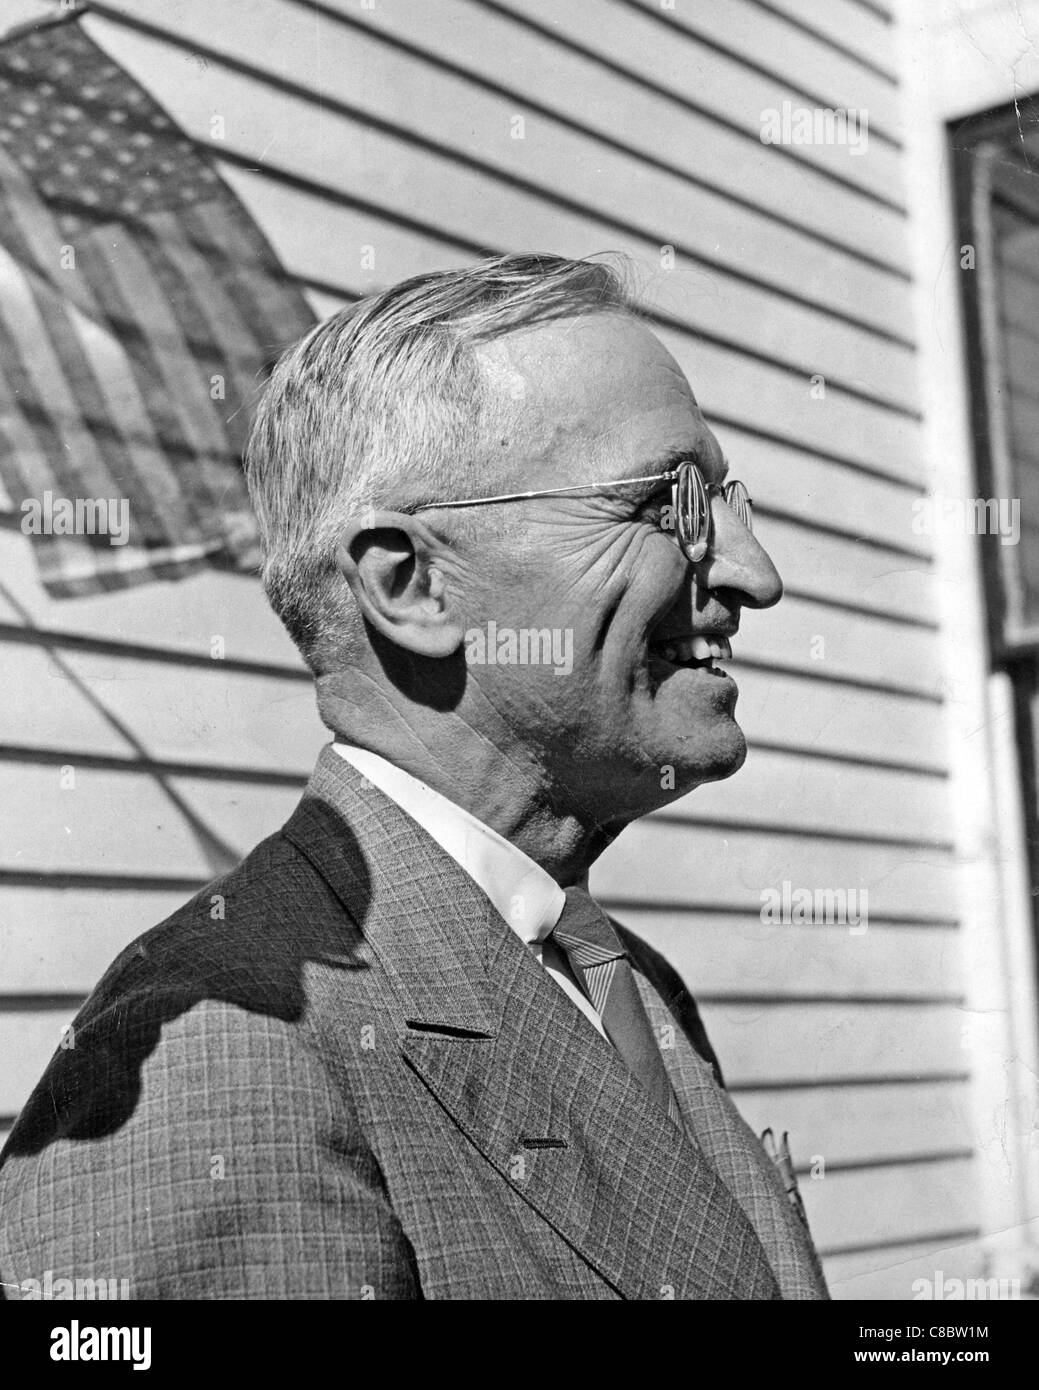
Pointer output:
x,y
397,573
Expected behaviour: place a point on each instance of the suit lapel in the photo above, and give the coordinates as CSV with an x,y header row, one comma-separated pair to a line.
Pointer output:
x,y
518,1068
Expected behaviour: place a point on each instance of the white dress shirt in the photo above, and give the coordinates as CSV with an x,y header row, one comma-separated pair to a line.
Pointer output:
x,y
528,898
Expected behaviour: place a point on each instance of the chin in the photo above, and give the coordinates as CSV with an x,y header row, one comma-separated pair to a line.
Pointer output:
x,y
709,757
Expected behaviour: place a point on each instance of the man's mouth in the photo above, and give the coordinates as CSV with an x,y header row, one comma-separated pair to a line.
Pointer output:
x,y
692,653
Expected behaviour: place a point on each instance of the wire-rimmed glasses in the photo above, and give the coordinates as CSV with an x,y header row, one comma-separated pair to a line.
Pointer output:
x,y
690,503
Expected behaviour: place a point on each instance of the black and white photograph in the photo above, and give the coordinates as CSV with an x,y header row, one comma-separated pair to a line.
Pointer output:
x,y
519,620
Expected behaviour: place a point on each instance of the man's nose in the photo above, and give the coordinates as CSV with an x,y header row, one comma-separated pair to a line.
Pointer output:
x,y
736,561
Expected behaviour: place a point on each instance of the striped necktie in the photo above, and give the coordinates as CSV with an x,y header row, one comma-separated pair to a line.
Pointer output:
x,y
597,957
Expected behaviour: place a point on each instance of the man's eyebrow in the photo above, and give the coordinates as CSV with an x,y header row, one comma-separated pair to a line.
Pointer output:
x,y
700,454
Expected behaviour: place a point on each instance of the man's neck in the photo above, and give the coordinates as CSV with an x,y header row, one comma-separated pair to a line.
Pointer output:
x,y
490,775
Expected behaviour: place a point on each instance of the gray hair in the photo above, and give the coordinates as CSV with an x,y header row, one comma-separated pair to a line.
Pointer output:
x,y
386,405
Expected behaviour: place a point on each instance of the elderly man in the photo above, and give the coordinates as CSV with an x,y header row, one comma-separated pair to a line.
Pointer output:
x,y
399,1052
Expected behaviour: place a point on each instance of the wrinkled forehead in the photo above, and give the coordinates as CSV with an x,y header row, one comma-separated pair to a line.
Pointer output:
x,y
588,394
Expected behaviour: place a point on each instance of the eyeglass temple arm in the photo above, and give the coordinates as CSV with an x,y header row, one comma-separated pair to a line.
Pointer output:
x,y
551,491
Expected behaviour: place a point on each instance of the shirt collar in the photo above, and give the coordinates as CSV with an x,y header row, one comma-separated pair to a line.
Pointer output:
x,y
523,893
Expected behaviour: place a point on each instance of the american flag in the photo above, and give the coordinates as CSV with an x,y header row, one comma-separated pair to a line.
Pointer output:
x,y
140,306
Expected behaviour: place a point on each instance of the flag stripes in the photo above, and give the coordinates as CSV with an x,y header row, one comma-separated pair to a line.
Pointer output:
x,y
140,307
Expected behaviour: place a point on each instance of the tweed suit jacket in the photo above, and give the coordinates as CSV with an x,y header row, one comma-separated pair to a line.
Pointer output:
x,y
337,1073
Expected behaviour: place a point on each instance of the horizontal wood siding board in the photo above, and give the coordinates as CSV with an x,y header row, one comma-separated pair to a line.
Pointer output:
x,y
65,938
869,510
761,1043
788,790
863,1124
824,718
836,569
720,957
130,822
734,868
854,646
123,706
896,1204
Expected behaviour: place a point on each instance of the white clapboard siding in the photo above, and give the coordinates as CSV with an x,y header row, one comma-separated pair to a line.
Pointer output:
x,y
192,827
724,955
803,792
826,567
665,47
775,326
803,61
761,396
388,133
97,924
825,494
667,862
880,1205
820,717
852,1126
121,705
587,89
848,27
815,1042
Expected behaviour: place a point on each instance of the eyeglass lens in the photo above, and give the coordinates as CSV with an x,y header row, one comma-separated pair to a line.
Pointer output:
x,y
692,503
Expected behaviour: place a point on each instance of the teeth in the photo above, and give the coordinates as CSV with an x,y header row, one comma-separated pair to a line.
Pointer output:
x,y
717,647
697,649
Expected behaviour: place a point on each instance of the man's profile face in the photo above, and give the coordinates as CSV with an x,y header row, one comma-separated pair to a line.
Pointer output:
x,y
625,729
